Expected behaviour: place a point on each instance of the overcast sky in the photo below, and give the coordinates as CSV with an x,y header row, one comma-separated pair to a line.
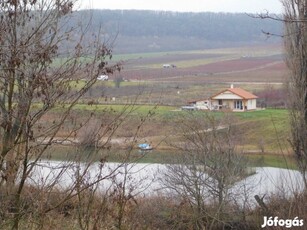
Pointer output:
x,y
248,6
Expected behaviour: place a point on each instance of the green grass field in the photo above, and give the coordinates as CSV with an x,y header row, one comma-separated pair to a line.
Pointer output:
x,y
269,160
263,131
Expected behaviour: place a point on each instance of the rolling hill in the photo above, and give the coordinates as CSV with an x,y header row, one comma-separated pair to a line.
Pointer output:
x,y
132,31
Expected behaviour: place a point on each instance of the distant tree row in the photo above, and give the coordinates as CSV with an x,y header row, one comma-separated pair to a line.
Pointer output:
x,y
208,26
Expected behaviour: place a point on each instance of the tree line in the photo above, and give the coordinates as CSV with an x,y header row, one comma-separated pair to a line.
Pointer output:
x,y
207,25
173,30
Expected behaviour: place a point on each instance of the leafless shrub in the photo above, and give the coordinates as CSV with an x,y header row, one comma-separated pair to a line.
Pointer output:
x,y
272,97
206,168
89,134
36,78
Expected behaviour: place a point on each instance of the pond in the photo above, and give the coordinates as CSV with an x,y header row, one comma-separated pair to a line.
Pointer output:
x,y
147,179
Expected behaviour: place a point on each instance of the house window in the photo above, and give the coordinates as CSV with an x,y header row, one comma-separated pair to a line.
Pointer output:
x,y
238,105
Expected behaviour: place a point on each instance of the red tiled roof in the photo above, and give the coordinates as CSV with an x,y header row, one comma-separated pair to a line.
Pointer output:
x,y
238,91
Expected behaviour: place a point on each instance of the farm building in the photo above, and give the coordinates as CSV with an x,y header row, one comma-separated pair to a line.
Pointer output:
x,y
235,99
202,104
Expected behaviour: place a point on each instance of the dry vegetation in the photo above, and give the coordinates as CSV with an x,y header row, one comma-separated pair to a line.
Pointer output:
x,y
91,210
40,116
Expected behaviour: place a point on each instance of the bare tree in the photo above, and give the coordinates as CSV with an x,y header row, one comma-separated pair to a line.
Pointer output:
x,y
36,72
207,169
295,43
295,40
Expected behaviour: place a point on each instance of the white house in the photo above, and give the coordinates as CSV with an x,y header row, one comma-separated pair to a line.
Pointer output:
x,y
235,99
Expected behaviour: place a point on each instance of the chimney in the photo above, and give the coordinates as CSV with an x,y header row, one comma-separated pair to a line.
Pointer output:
x,y
231,86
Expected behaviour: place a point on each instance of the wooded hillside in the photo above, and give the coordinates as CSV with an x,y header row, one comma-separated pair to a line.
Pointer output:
x,y
139,31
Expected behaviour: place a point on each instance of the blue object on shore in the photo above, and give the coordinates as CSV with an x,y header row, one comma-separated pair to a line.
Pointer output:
x,y
145,146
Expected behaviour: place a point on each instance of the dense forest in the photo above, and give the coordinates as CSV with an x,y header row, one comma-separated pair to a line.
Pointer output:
x,y
160,31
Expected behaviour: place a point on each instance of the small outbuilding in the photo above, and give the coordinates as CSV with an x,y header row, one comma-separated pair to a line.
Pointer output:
x,y
202,104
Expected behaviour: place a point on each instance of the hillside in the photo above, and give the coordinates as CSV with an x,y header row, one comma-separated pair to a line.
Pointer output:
x,y
143,31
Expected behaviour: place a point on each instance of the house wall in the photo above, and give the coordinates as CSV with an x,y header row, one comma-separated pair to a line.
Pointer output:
x,y
229,104
251,104
202,104
214,104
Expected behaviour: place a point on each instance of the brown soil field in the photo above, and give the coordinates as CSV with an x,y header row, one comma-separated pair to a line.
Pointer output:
x,y
235,70
249,64
198,74
235,65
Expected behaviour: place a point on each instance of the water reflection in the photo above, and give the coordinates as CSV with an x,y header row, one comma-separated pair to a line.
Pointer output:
x,y
145,179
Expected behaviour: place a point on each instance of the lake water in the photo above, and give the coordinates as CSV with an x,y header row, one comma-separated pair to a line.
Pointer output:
x,y
146,179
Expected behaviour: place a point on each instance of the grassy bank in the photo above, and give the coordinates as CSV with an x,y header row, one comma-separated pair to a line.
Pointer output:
x,y
264,131
64,153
